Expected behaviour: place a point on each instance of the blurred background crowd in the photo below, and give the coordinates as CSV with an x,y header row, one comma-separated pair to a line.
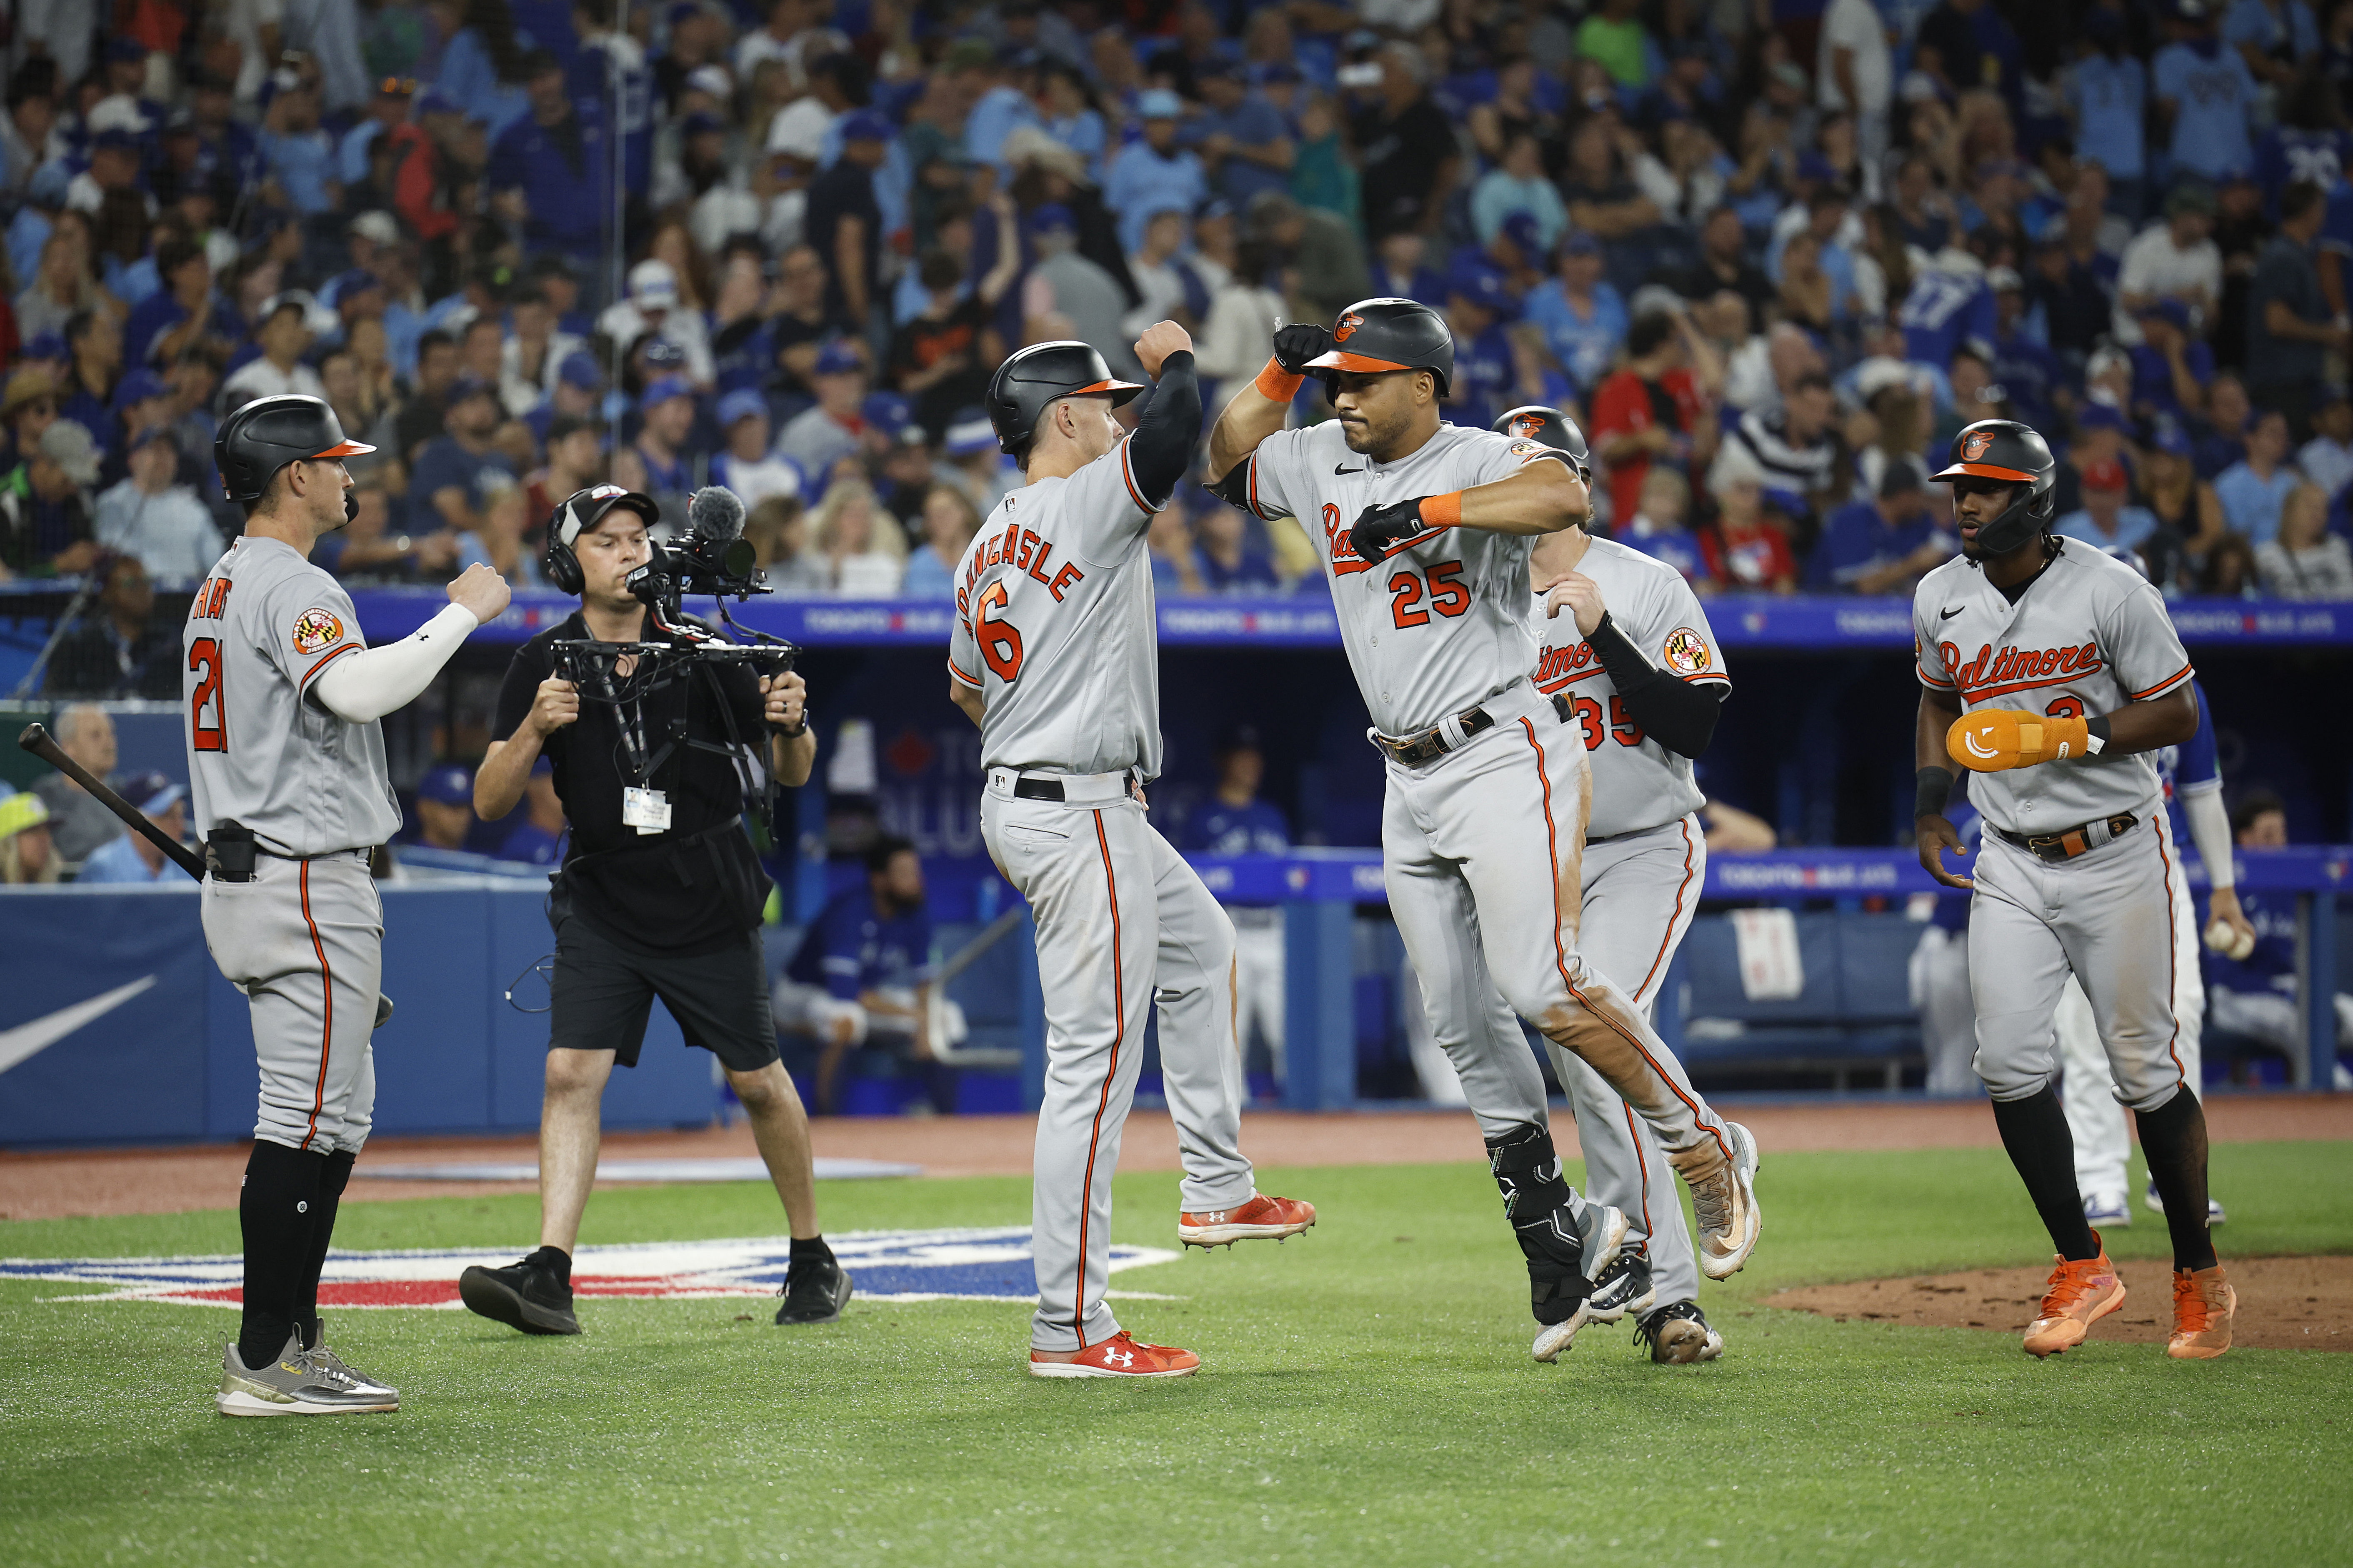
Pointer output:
x,y
1770,253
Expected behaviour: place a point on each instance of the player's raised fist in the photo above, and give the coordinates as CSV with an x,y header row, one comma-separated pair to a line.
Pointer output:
x,y
480,590
1159,341
1296,344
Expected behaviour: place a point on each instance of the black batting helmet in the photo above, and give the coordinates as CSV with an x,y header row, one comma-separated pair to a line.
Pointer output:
x,y
269,433
1035,376
1534,422
2011,453
1374,335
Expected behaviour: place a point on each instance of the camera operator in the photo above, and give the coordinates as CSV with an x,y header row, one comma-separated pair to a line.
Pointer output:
x,y
660,895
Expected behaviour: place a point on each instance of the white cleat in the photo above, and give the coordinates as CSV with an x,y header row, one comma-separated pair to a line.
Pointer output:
x,y
1726,1207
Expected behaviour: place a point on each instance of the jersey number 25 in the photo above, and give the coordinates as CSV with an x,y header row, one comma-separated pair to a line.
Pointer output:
x,y
205,654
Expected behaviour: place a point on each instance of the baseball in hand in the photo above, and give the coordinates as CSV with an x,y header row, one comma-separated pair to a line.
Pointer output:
x,y
2228,940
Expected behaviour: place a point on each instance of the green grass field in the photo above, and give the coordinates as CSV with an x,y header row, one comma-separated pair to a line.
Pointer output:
x,y
1366,1398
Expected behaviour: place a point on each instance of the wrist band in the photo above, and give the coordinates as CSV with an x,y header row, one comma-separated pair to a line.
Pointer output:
x,y
1277,384
1931,787
1443,511
2095,735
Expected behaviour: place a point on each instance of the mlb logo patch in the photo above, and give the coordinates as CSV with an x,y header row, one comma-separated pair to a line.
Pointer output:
x,y
959,1265
315,629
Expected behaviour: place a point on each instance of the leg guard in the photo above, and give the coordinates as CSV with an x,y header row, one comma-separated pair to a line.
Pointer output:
x,y
1547,1216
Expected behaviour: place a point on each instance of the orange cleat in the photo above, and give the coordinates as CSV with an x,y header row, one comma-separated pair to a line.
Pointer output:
x,y
2080,1295
2203,1306
1262,1218
1118,1356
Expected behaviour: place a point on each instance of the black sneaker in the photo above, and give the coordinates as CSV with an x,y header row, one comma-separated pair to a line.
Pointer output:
x,y
525,1295
815,1291
1678,1334
1624,1286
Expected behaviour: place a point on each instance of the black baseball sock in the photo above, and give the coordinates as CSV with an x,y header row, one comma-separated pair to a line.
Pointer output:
x,y
810,1249
2173,1136
2035,1134
274,1211
337,1171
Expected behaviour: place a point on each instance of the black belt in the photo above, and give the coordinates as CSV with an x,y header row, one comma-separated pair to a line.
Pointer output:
x,y
239,867
1037,789
2068,843
1431,743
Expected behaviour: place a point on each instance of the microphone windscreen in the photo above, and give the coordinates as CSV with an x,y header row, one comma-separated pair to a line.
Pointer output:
x,y
715,512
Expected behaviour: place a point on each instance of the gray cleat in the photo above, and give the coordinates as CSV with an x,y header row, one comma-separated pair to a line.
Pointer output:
x,y
1726,1207
298,1382
328,1362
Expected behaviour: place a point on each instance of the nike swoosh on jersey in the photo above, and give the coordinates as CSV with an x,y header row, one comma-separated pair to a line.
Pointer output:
x,y
1338,470
31,1039
1948,614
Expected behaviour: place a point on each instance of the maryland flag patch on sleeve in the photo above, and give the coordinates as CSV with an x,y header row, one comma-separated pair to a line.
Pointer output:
x,y
1686,652
316,630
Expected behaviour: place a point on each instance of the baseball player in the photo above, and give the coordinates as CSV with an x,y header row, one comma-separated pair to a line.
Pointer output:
x,y
2053,672
2191,784
1425,529
288,788
1627,657
1054,656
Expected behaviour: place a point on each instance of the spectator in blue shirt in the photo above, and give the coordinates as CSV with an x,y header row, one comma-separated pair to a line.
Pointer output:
x,y
129,859
1584,319
864,968
2253,489
2108,92
1477,306
1000,107
1241,139
2103,521
1517,185
2206,93
1225,555
449,468
297,154
1658,528
1398,271
538,838
2170,364
2028,371
1885,545
1153,175
2273,36
1235,821
552,171
388,108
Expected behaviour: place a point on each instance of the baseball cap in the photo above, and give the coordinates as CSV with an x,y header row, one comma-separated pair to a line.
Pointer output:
x,y
121,51
2171,440
1483,287
578,370
653,285
2004,279
433,100
138,388
712,82
1159,104
662,390
51,344
378,226
2189,196
2100,416
865,125
2168,310
2107,474
887,412
663,357
1904,475
1521,229
837,358
153,434
1580,243
1052,217
114,140
969,432
448,784
152,792
358,280
703,123
18,812
467,386
69,446
682,11
743,403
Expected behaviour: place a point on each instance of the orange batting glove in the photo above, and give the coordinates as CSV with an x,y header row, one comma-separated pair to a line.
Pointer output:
x,y
1993,738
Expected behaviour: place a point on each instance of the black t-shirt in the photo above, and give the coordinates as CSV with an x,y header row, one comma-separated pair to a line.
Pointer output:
x,y
1402,161
653,891
846,190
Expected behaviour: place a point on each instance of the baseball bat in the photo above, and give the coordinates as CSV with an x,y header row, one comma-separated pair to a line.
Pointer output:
x,y
37,740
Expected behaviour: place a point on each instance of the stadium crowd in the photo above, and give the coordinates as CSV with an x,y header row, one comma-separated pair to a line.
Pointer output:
x,y
1770,254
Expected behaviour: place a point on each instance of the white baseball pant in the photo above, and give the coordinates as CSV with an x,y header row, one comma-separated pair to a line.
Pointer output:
x,y
1484,853
304,940
1259,980
1121,922
2094,1118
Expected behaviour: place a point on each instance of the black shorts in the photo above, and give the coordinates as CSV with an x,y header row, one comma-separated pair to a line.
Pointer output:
x,y
602,994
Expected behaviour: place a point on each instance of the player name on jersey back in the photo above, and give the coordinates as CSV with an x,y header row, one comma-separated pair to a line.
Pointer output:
x,y
2086,638
1637,782
260,629
1055,626
1440,623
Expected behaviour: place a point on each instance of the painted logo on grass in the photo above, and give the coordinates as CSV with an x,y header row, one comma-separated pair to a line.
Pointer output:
x,y
887,1265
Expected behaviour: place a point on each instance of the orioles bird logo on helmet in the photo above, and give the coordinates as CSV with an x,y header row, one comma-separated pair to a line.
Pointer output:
x,y
1348,324
1528,425
1974,444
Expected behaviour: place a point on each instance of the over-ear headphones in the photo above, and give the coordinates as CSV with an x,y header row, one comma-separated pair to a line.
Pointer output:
x,y
580,512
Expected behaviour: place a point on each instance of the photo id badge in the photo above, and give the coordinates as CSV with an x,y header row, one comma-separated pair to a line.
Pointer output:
x,y
646,810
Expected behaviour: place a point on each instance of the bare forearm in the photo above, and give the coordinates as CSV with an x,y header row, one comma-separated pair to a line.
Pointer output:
x,y
792,758
1937,712
505,771
2137,727
1542,498
966,700
1250,418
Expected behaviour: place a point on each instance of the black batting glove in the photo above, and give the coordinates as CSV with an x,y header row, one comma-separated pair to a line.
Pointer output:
x,y
1379,528
1295,345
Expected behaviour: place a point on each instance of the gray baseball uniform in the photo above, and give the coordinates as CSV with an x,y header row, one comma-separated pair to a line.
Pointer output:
x,y
1434,632
1055,629
2085,637
1645,861
303,940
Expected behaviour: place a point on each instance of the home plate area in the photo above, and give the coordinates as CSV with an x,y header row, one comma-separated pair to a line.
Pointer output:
x,y
966,1265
